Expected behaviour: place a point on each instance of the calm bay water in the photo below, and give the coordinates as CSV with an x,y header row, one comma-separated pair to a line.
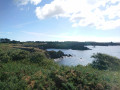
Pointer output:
x,y
84,57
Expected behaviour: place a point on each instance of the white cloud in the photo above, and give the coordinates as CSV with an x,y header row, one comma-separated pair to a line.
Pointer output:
x,y
25,2
21,2
50,12
102,14
35,2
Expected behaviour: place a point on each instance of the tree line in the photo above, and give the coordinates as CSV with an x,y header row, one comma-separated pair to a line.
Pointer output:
x,y
64,45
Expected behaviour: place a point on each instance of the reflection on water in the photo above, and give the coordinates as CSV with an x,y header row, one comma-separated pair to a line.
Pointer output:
x,y
84,57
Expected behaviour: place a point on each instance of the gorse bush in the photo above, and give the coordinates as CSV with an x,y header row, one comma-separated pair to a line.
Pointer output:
x,y
18,55
4,57
105,62
13,55
36,57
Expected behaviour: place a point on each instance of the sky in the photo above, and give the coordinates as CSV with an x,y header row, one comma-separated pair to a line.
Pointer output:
x,y
60,20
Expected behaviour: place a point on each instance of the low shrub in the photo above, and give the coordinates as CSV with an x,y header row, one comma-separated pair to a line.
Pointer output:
x,y
36,58
105,62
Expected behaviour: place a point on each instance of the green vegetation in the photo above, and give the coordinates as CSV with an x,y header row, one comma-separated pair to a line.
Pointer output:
x,y
48,45
59,45
56,45
64,45
105,62
28,68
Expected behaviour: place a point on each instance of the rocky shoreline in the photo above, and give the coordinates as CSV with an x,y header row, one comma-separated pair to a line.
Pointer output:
x,y
56,55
